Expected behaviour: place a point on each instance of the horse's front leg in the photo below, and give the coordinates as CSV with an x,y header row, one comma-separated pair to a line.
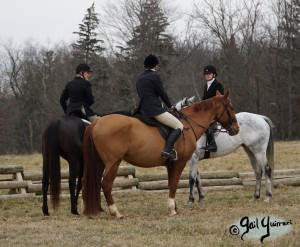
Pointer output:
x,y
174,173
201,192
193,176
193,170
107,185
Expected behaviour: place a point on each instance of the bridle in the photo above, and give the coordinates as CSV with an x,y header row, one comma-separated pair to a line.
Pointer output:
x,y
231,119
225,109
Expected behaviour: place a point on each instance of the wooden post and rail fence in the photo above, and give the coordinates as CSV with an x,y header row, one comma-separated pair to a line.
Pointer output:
x,y
16,183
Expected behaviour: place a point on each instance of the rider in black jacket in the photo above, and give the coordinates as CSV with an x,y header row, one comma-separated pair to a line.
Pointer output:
x,y
79,93
209,91
151,92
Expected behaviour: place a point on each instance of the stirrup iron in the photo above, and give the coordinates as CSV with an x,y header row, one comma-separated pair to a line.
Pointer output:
x,y
173,151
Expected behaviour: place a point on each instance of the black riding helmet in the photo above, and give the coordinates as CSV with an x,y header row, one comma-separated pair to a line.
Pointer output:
x,y
82,68
210,69
151,61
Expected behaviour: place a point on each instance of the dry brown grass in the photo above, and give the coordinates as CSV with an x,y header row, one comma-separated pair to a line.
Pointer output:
x,y
287,156
237,161
146,222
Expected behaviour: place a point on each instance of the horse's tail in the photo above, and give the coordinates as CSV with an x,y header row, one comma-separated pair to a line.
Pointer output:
x,y
92,175
51,162
270,148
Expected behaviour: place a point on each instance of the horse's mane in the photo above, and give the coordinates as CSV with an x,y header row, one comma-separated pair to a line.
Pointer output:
x,y
202,105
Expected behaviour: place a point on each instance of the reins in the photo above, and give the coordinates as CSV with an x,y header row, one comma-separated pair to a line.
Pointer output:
x,y
188,119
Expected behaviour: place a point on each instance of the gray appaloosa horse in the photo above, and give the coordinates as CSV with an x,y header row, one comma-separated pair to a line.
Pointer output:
x,y
255,136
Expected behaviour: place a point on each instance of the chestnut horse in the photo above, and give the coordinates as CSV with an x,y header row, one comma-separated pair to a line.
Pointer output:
x,y
111,139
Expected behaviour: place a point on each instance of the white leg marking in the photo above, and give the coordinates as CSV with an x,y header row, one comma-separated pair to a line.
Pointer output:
x,y
171,206
114,211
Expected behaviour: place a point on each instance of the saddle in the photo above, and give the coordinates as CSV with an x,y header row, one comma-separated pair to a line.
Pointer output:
x,y
163,129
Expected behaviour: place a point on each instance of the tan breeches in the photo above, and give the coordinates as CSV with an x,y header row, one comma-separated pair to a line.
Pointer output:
x,y
168,119
90,118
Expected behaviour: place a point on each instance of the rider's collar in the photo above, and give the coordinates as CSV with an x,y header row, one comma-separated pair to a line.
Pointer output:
x,y
209,83
78,75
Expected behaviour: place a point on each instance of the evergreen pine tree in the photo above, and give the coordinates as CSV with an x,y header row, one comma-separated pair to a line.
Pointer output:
x,y
150,35
88,45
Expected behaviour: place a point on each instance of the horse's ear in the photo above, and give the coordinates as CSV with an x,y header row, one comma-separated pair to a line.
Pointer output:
x,y
191,100
226,94
218,93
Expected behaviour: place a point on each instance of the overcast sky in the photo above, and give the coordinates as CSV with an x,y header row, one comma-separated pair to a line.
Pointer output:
x,y
47,21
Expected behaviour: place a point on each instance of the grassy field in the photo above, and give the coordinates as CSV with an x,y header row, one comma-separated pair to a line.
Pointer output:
x,y
146,221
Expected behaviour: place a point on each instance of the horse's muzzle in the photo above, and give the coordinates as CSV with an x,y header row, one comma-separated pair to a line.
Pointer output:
x,y
233,131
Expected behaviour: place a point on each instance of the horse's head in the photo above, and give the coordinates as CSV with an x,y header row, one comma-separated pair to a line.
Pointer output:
x,y
226,115
184,103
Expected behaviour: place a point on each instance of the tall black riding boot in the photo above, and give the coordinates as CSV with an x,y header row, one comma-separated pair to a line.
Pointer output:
x,y
210,141
168,153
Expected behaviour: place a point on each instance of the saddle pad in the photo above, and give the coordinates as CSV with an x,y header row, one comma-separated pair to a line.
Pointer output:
x,y
163,129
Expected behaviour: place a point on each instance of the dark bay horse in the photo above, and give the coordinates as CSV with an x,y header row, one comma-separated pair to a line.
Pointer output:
x,y
63,136
113,138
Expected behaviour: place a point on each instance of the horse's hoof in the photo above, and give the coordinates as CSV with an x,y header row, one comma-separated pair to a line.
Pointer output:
x,y
188,203
173,213
74,212
101,210
254,199
115,212
45,212
200,201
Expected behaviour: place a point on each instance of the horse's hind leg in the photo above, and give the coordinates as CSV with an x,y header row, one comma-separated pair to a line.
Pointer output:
x,y
74,167
107,185
258,176
268,175
262,167
79,182
45,184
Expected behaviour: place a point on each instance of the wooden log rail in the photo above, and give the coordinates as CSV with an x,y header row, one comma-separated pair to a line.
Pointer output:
x,y
125,180
15,183
218,178
28,184
37,176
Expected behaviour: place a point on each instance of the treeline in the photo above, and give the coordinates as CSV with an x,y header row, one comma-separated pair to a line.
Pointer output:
x,y
255,47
